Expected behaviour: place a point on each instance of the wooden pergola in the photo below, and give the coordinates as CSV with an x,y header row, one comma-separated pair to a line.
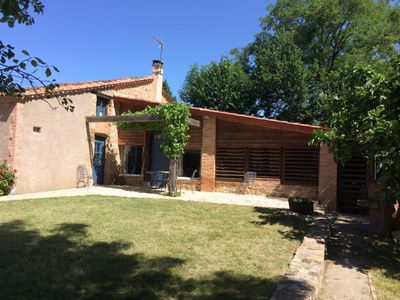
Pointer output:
x,y
139,119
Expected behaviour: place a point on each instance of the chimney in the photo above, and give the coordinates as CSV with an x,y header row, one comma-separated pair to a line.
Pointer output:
x,y
158,71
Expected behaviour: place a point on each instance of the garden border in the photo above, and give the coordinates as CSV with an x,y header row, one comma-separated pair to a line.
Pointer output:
x,y
304,276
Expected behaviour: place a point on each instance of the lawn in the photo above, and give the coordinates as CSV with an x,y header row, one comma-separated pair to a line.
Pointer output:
x,y
119,248
383,257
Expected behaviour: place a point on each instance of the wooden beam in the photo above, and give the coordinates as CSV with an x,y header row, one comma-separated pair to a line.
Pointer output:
x,y
142,118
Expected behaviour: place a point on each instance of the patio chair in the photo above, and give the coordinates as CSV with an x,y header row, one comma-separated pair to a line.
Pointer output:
x,y
193,181
249,180
82,176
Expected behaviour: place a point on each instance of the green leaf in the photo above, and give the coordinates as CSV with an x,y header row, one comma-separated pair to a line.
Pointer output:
x,y
48,72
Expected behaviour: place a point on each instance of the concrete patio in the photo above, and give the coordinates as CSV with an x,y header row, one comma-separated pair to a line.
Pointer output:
x,y
124,191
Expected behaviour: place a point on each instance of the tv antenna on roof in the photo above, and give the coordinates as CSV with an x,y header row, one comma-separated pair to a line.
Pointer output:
x,y
160,44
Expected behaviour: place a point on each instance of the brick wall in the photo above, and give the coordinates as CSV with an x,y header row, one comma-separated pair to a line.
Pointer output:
x,y
208,154
327,191
16,135
112,161
271,188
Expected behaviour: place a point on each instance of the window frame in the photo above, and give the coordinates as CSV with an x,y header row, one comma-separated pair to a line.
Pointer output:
x,y
101,104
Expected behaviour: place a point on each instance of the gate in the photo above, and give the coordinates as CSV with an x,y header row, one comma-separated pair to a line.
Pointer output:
x,y
352,185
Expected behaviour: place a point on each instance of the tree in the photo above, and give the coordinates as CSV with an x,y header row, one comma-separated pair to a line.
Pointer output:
x,y
19,71
279,78
323,36
167,88
219,85
365,120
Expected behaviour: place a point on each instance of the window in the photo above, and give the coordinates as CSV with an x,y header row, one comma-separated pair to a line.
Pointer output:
x,y
37,129
101,107
190,161
131,159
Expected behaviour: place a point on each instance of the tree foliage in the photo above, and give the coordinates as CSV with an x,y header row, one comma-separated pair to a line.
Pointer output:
x,y
20,69
222,85
280,78
303,41
365,119
167,88
174,126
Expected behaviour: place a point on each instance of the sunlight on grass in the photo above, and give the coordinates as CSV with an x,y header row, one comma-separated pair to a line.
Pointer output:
x,y
110,247
383,257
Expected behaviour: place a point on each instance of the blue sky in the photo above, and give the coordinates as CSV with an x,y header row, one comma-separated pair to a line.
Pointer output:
x,y
91,40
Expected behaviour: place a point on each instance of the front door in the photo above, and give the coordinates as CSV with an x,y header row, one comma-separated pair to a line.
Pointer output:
x,y
352,185
158,160
98,160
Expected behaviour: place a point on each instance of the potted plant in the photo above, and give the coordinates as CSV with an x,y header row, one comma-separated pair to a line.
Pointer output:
x,y
301,205
7,179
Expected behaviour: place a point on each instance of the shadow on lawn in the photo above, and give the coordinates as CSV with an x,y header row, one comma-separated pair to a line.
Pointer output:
x,y
63,265
384,254
297,224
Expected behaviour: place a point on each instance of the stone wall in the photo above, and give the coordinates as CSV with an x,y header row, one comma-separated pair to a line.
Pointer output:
x,y
303,278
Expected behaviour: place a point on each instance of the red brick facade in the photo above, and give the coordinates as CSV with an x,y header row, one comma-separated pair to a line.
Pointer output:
x,y
327,189
15,135
208,154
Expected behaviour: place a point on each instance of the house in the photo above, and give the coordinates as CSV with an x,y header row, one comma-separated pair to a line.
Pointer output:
x,y
46,146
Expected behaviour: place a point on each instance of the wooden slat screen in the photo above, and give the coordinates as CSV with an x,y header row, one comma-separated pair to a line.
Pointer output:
x,y
266,162
293,166
230,163
300,166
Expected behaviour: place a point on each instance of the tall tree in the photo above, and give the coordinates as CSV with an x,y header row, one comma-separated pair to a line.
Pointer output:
x,y
222,85
19,70
323,36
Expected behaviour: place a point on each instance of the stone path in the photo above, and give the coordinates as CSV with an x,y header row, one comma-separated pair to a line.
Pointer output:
x,y
124,191
303,277
346,275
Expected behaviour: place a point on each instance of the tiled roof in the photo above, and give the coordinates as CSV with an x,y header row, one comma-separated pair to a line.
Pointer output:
x,y
250,120
243,119
98,85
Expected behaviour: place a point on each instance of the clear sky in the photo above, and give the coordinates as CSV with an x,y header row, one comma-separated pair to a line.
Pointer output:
x,y
99,39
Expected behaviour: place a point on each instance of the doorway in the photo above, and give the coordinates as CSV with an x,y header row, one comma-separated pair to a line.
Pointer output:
x,y
98,160
158,160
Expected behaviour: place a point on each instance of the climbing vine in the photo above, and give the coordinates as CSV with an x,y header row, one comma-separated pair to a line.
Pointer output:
x,y
174,126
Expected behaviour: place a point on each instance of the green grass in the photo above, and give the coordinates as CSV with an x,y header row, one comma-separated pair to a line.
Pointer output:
x,y
118,248
383,257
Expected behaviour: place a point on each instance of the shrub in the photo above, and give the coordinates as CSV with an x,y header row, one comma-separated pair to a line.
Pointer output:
x,y
7,178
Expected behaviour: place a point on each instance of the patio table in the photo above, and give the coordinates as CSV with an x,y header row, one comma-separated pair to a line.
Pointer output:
x,y
158,179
